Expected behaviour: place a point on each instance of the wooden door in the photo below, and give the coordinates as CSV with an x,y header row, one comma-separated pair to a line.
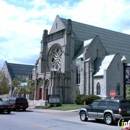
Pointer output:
x,y
40,93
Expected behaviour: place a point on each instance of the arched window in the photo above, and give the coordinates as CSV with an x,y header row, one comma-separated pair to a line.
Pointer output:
x,y
98,89
77,75
118,89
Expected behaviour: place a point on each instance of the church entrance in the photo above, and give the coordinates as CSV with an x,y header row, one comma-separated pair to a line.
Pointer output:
x,y
40,93
46,89
47,97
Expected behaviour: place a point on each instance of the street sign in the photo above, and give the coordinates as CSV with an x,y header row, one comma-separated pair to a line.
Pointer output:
x,y
112,93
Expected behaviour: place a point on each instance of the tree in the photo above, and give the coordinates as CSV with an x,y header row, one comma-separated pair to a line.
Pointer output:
x,y
128,91
30,87
23,86
4,84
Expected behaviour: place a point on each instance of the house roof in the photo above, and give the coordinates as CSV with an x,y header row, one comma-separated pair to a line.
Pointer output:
x,y
102,63
114,42
19,69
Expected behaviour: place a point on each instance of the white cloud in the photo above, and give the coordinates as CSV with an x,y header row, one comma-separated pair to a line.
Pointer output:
x,y
22,28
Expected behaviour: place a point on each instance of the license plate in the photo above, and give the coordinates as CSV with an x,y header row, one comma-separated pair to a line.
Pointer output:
x,y
21,106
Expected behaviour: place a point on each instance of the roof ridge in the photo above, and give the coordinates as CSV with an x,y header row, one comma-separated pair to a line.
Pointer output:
x,y
19,64
114,31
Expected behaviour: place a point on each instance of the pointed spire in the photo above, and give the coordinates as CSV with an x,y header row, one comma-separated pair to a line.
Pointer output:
x,y
69,26
45,33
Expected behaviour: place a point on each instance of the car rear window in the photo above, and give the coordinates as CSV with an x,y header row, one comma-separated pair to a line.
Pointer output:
x,y
4,103
21,100
113,103
125,103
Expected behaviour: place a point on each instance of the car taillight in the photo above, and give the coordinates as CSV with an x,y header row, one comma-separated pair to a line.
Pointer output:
x,y
120,111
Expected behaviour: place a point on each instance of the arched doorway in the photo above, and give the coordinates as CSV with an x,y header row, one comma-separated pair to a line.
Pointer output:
x,y
40,93
46,89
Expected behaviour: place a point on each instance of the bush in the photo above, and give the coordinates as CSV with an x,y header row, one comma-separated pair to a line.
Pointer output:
x,y
90,98
87,98
127,97
79,99
55,105
1,99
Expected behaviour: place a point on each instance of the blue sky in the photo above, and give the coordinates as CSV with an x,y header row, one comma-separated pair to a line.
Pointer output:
x,y
23,21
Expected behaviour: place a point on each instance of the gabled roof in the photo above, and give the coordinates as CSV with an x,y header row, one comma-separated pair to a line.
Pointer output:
x,y
114,42
102,63
61,25
19,69
87,42
81,50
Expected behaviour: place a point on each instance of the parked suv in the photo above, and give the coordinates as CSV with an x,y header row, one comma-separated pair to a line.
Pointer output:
x,y
109,110
18,103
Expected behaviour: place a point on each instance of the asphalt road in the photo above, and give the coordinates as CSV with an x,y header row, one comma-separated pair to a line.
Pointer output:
x,y
49,120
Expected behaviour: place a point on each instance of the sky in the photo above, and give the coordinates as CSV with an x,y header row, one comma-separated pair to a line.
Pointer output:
x,y
22,22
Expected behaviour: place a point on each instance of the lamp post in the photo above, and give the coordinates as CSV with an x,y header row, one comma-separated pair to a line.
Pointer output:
x,y
123,60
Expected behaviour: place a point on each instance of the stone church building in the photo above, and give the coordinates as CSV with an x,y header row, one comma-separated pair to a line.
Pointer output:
x,y
76,58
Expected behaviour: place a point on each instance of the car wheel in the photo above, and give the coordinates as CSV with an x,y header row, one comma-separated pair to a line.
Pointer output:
x,y
83,116
14,109
8,112
108,119
24,109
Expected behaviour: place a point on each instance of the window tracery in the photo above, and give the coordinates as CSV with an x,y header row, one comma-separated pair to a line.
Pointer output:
x,y
55,59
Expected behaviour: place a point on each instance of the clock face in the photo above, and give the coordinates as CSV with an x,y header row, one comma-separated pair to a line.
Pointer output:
x,y
55,59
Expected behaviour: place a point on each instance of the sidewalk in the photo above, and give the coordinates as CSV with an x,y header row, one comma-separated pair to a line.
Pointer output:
x,y
31,108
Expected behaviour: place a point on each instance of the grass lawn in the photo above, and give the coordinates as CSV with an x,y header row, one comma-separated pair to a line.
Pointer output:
x,y
64,107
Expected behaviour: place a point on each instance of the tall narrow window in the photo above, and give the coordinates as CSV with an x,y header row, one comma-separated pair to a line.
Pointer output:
x,y
77,75
118,89
98,89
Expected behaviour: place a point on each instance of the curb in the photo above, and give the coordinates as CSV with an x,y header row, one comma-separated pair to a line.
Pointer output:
x,y
50,110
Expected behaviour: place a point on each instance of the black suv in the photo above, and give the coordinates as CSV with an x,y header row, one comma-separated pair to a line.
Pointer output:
x,y
109,110
18,103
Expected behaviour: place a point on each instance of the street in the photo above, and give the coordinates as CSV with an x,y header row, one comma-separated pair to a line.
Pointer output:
x,y
35,120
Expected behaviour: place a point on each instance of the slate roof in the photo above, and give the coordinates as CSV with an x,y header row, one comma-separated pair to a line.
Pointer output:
x,y
19,69
102,63
114,42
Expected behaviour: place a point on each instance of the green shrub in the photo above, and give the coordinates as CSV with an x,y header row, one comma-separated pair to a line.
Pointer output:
x,y
1,99
90,98
79,99
55,105
87,98
128,97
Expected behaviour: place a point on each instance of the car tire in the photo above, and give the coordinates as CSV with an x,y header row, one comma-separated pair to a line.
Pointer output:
x,y
24,109
108,119
83,116
8,112
14,109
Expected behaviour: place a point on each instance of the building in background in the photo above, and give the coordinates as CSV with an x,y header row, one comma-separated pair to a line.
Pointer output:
x,y
12,70
76,58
